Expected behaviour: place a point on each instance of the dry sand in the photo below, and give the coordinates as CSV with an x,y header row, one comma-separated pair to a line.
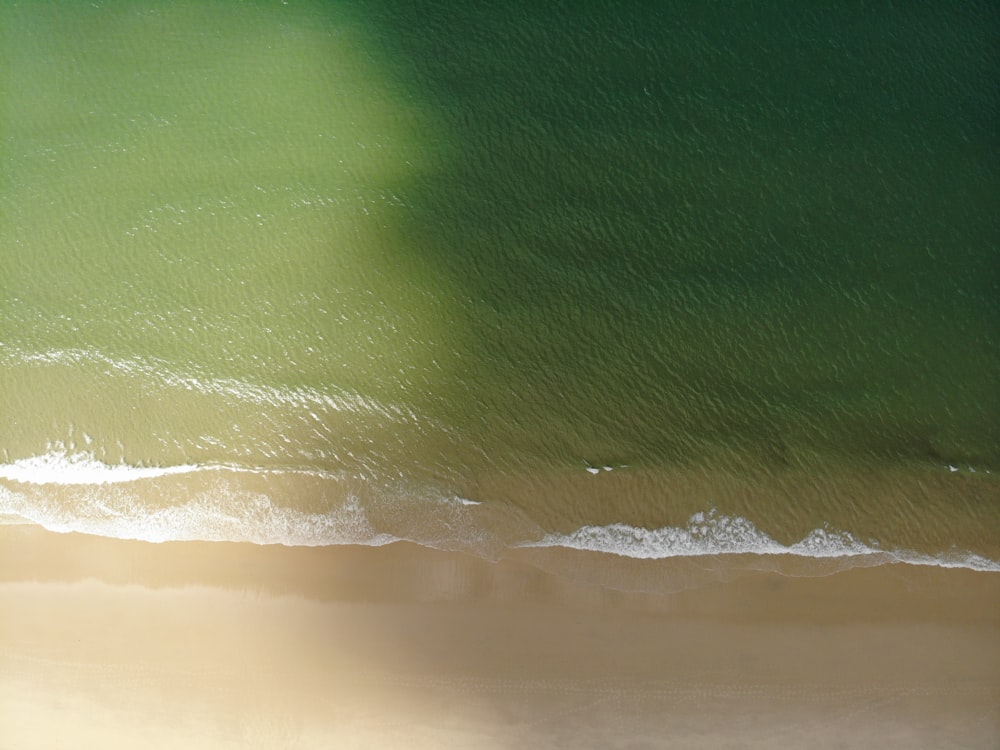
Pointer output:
x,y
108,643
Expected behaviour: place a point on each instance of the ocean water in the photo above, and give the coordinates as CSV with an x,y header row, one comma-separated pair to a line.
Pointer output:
x,y
675,279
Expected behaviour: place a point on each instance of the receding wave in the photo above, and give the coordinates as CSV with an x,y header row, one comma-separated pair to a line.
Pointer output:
x,y
75,492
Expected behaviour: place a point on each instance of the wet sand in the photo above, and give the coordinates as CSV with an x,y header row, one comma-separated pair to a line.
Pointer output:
x,y
109,643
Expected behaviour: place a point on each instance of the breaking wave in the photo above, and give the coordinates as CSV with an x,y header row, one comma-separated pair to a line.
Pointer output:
x,y
714,534
63,467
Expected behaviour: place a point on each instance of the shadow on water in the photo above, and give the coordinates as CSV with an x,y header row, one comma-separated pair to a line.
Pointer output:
x,y
678,232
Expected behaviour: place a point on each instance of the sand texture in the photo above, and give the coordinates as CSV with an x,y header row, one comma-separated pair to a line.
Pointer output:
x,y
108,643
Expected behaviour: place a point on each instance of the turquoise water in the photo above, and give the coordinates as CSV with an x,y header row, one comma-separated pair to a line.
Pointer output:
x,y
482,275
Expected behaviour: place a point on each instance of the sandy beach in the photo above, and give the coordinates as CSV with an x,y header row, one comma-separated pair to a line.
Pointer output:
x,y
109,643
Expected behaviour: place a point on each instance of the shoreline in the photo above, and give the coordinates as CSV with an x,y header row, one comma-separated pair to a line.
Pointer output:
x,y
916,514
111,643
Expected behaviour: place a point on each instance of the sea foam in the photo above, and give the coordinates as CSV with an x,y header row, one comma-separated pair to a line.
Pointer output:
x,y
73,491
716,534
221,514
705,534
67,468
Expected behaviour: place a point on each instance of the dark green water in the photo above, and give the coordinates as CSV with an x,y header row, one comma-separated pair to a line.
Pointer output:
x,y
402,253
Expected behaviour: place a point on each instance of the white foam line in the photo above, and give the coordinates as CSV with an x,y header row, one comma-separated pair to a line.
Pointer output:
x,y
950,560
61,467
80,468
712,534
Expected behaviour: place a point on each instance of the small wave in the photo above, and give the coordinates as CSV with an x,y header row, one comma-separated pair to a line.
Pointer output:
x,y
60,466
955,559
63,467
167,376
715,534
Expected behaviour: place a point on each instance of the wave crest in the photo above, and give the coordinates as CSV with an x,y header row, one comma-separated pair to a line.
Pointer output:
x,y
66,468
